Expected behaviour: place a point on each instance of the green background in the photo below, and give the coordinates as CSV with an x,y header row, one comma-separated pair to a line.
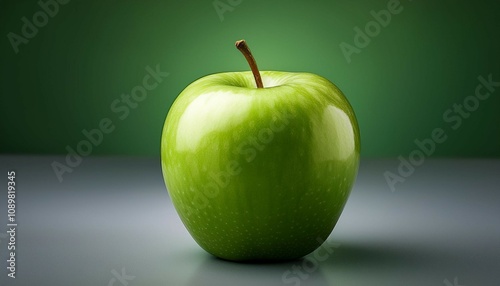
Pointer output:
x,y
428,58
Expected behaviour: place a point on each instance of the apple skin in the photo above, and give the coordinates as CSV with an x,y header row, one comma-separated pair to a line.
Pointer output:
x,y
260,174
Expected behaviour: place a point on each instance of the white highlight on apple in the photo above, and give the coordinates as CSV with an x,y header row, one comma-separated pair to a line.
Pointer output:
x,y
269,81
208,108
335,119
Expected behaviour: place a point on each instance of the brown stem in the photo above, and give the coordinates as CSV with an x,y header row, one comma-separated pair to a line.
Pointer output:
x,y
243,47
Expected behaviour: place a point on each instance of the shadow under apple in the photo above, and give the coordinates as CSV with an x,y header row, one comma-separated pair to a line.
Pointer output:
x,y
215,271
375,263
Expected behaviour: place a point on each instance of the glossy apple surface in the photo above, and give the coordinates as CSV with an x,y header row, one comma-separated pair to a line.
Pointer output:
x,y
260,174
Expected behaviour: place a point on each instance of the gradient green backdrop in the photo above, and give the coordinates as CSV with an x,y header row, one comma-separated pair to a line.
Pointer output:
x,y
428,58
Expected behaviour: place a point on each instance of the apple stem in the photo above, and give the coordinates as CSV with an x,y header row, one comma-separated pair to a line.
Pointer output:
x,y
243,47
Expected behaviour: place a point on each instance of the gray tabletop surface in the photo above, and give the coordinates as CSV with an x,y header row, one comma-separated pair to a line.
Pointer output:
x,y
111,222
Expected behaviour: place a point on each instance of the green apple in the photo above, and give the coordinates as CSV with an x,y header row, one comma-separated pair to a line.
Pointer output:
x,y
260,170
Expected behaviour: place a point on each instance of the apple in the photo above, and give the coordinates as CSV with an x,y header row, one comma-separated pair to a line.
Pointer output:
x,y
260,170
